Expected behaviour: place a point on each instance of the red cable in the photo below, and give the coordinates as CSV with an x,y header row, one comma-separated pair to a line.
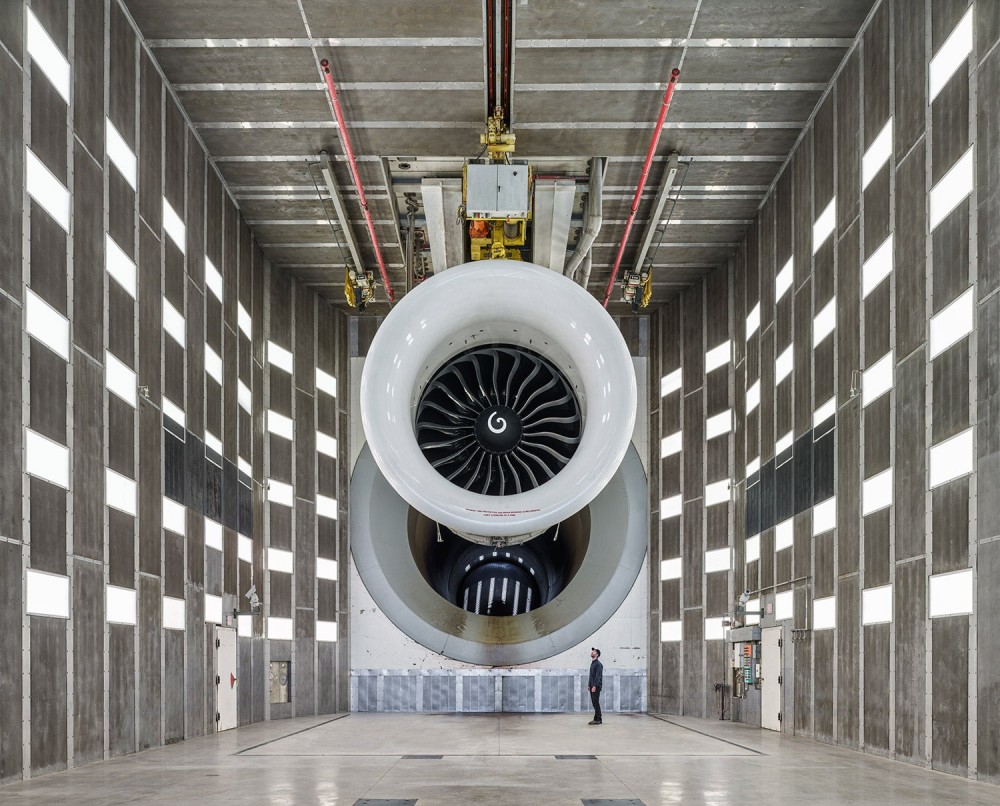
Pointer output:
x,y
642,179
352,162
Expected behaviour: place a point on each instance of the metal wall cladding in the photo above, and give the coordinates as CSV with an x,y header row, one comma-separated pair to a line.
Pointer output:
x,y
850,685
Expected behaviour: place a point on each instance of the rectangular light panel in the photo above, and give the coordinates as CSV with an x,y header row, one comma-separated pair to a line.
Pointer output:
x,y
279,424
877,267
753,466
718,356
46,594
213,364
279,560
326,631
717,493
752,606
952,188
952,323
243,397
877,155
46,459
326,445
213,442
213,280
824,225
46,56
876,492
326,507
120,605
876,605
824,322
719,424
119,492
825,613
244,321
784,443
877,379
174,227
670,631
753,321
173,613
174,412
670,507
825,516
174,517
784,278
326,569
784,364
950,56
213,608
244,548
753,396
119,379
46,324
119,265
278,492
952,458
784,605
825,412
173,322
714,629
119,153
45,189
670,569
244,466
670,383
718,560
279,629
752,549
244,626
784,534
213,534
670,445
279,357
951,594
325,382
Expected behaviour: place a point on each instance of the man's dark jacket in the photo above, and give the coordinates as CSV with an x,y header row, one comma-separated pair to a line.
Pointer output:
x,y
596,675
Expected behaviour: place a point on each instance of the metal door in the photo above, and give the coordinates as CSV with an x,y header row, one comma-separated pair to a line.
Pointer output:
x,y
770,678
226,680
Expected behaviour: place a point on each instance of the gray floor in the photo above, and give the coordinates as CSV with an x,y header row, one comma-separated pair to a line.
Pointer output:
x,y
499,758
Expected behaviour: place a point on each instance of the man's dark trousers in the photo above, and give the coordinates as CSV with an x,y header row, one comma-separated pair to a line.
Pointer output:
x,y
595,698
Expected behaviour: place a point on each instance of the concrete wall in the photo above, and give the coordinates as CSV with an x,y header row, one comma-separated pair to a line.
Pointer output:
x,y
76,688
913,687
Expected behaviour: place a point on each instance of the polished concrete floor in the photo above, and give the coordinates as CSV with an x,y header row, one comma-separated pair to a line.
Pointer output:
x,y
499,759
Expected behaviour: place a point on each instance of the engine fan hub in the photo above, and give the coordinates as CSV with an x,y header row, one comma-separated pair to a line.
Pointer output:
x,y
499,429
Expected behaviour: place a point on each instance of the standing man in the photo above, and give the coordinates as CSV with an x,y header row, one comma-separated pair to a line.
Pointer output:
x,y
594,683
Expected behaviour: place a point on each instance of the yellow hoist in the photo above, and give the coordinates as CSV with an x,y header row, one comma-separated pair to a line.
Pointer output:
x,y
496,194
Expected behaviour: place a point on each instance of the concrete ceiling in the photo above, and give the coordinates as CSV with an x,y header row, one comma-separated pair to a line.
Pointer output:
x,y
588,79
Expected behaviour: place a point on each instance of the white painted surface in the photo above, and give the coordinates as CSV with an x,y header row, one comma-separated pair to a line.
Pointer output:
x,y
225,668
770,672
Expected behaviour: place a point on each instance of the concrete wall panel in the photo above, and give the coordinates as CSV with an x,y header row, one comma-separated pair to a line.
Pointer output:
x,y
88,662
910,607
848,660
121,689
950,694
48,689
150,680
11,682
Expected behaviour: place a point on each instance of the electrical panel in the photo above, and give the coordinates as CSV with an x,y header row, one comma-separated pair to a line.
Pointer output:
x,y
497,191
745,663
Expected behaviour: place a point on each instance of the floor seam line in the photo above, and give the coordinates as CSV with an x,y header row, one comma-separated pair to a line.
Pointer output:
x,y
709,735
287,735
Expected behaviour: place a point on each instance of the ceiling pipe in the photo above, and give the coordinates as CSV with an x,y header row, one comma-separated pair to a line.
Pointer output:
x,y
338,205
595,217
654,224
345,138
642,180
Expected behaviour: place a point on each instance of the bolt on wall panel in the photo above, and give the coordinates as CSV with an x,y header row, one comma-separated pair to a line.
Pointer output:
x,y
950,694
88,460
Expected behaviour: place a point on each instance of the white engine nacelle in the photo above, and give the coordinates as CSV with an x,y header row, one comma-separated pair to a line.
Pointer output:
x,y
498,399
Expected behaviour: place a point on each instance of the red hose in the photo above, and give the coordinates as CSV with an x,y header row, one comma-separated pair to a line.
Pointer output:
x,y
345,138
642,180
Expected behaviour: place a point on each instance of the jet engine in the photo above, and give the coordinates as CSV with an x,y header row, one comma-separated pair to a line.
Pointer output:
x,y
498,509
